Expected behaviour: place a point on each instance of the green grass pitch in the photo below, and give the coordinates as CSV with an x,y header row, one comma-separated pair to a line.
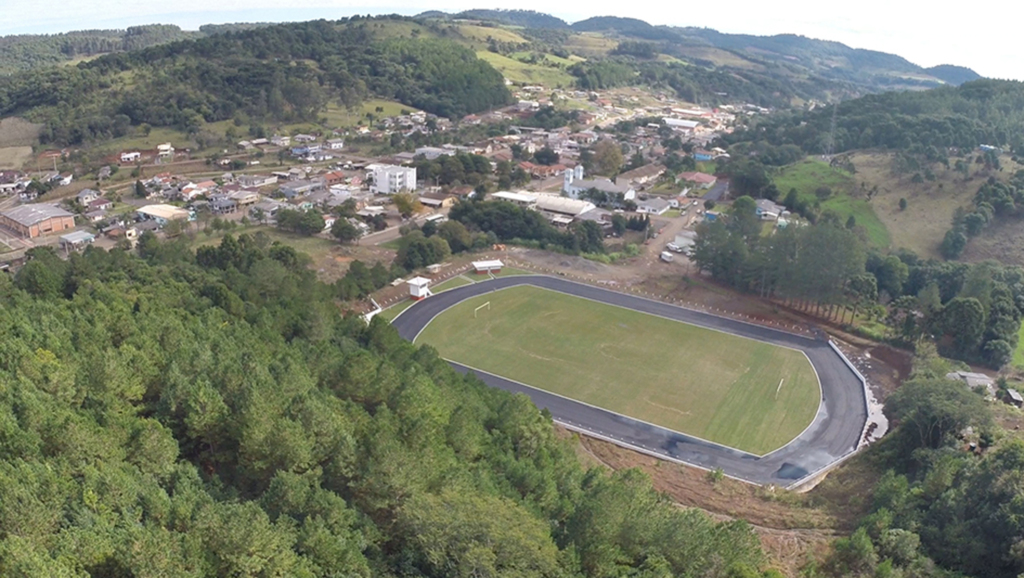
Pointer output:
x,y
697,381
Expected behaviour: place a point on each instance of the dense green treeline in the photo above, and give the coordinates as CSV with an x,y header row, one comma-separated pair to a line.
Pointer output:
x,y
949,503
168,415
980,112
25,52
973,312
286,72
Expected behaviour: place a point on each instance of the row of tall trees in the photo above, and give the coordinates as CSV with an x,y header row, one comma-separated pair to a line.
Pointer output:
x,y
973,312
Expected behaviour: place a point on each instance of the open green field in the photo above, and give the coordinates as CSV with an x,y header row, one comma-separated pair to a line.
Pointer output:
x,y
524,73
339,116
808,175
457,281
390,313
693,380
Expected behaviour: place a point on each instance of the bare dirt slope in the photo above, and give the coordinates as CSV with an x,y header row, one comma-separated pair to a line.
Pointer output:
x,y
930,204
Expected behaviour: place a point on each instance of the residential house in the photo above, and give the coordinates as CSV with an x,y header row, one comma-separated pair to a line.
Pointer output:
x,y
222,204
257,180
463,192
305,138
266,209
703,155
575,185
975,381
333,178
131,157
94,216
335,144
301,187
244,197
701,180
31,221
163,214
642,175
390,179
653,206
165,151
64,179
437,201
86,196
99,204
768,210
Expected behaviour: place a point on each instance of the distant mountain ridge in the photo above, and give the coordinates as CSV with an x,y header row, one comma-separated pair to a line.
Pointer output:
x,y
828,59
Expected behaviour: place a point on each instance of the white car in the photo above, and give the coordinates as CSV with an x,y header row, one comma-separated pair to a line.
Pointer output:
x,y
673,247
667,257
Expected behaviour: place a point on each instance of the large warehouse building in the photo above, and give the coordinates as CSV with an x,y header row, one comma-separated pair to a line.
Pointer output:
x,y
31,221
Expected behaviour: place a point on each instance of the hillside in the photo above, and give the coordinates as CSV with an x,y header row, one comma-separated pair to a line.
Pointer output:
x,y
979,112
955,75
286,72
25,52
212,413
837,69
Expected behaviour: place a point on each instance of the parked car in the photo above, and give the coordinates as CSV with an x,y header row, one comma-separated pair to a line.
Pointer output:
x,y
667,257
674,248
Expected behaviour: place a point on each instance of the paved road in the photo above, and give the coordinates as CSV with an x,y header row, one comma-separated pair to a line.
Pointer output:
x,y
834,432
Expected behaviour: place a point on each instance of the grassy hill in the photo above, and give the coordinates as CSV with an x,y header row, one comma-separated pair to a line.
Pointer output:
x,y
930,206
846,199
523,73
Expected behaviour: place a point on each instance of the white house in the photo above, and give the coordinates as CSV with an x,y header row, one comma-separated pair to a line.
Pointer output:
x,y
130,157
336,144
389,179
574,185
653,206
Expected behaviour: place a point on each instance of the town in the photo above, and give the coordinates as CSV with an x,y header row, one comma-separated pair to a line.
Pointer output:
x,y
546,169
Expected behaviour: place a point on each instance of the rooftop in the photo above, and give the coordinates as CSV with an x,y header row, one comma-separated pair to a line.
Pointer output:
x,y
163,212
563,205
514,197
29,215
77,237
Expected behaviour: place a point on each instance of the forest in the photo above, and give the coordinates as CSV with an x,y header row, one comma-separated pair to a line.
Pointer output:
x,y
963,117
28,51
163,415
948,502
973,312
285,72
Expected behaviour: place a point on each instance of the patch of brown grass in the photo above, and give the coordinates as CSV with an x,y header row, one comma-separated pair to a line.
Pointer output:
x,y
930,205
18,132
14,157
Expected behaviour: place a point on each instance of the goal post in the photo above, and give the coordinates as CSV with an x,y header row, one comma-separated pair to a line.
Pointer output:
x,y
477,310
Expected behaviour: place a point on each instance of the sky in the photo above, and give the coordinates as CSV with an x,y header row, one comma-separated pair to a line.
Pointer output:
x,y
925,36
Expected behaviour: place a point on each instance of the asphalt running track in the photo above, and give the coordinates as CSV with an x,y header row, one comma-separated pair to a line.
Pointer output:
x,y
834,433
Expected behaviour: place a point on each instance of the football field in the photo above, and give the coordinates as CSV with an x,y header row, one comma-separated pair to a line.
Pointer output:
x,y
734,391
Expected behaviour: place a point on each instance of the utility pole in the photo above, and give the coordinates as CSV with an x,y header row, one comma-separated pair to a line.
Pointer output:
x,y
830,147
